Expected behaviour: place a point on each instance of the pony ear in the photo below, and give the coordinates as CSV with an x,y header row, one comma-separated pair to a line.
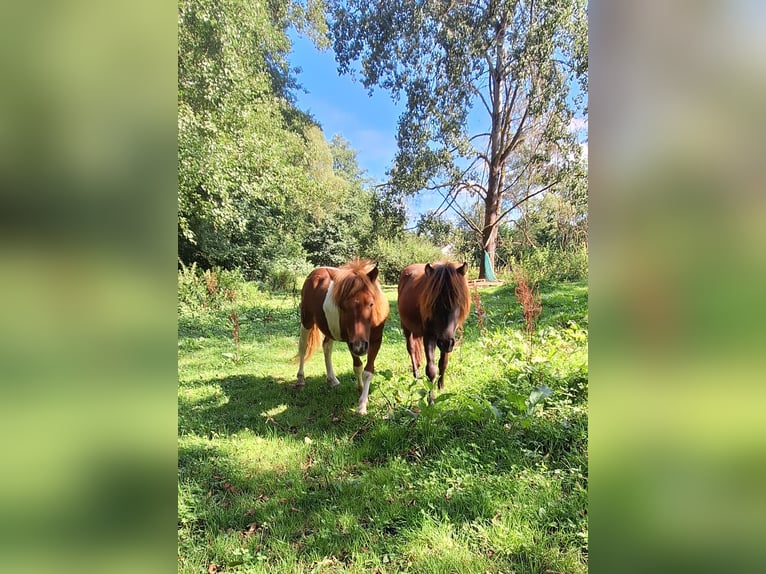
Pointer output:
x,y
429,269
462,268
373,275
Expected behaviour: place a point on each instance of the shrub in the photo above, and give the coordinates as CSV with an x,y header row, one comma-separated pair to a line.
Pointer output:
x,y
192,292
545,265
208,289
287,274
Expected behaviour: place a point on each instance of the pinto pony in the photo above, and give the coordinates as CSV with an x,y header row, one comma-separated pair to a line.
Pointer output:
x,y
433,302
343,304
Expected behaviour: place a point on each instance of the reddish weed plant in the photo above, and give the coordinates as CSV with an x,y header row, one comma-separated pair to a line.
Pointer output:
x,y
529,298
211,282
481,314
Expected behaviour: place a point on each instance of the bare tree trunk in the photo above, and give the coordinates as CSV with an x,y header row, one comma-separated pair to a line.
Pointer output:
x,y
491,212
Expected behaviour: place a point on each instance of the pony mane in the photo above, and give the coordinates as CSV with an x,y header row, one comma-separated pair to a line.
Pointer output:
x,y
352,278
445,284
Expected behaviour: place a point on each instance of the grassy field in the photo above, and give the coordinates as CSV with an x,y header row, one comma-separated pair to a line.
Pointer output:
x,y
275,479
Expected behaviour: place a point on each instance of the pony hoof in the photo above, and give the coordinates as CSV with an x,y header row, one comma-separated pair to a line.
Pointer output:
x,y
333,383
300,382
361,410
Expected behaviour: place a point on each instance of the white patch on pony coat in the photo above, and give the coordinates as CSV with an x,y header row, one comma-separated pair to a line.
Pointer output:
x,y
332,313
327,348
366,379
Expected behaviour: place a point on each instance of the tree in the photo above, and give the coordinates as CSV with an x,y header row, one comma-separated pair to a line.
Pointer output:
x,y
509,65
342,229
253,169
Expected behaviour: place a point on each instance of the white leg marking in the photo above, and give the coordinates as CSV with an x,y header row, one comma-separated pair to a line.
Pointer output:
x,y
332,313
366,378
359,381
332,380
302,344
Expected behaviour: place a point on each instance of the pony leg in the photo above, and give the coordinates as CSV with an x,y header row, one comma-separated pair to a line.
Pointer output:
x,y
413,348
369,370
358,373
332,380
443,361
302,346
430,365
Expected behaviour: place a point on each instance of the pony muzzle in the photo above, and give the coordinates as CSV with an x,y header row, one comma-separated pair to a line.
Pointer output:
x,y
359,348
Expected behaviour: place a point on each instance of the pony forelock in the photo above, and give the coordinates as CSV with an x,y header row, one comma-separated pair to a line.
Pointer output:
x,y
445,284
352,278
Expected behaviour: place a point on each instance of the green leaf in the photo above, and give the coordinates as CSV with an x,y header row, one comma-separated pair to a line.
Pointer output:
x,y
541,392
517,400
444,397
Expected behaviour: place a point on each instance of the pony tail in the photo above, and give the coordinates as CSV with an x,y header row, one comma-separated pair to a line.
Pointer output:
x,y
315,339
312,342
419,349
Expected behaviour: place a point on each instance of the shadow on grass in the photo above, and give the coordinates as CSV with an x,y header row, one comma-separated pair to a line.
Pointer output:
x,y
262,404
330,499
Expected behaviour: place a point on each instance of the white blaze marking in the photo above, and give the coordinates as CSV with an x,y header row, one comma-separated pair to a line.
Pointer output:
x,y
332,313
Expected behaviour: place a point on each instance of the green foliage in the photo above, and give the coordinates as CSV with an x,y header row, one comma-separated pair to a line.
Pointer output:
x,y
556,222
389,213
287,274
393,255
211,289
260,189
441,231
344,233
549,265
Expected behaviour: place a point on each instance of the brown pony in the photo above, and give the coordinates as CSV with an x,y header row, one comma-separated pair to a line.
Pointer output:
x,y
433,302
343,304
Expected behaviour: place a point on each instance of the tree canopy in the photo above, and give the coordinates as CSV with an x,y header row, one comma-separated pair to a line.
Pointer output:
x,y
259,185
490,89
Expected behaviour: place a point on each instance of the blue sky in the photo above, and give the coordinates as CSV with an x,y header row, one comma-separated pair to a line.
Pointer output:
x,y
343,106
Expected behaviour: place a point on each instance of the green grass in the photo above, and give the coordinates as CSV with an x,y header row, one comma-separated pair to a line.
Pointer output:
x,y
275,479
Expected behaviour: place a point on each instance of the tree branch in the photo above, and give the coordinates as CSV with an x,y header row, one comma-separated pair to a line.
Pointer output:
x,y
460,212
519,202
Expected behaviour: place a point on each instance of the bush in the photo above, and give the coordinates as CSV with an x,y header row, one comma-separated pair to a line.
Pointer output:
x,y
393,255
545,265
287,274
208,289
